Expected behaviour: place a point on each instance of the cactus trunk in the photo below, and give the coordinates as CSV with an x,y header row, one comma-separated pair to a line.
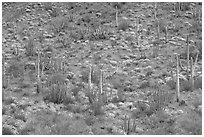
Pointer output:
x,y
187,41
116,16
38,73
89,80
177,79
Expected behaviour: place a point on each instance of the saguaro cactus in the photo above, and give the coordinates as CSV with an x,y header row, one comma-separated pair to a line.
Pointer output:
x,y
187,41
89,80
38,73
177,79
101,81
116,15
166,34
155,10
4,83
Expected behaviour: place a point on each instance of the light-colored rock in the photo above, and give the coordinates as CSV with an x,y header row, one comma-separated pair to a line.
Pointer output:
x,y
111,106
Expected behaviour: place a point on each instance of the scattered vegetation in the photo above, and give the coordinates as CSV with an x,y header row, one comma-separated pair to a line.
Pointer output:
x,y
79,68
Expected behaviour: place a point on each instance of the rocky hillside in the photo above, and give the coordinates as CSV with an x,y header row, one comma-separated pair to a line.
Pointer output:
x,y
101,68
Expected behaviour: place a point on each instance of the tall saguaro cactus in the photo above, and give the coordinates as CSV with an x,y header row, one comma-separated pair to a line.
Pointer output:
x,y
187,41
89,80
166,34
4,85
155,10
38,73
177,79
101,81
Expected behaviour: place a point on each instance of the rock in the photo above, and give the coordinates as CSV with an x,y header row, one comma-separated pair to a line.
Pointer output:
x,y
111,106
139,130
127,105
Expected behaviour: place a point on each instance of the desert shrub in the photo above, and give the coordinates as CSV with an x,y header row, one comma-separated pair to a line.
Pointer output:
x,y
99,33
15,69
185,6
7,131
8,101
79,34
56,78
20,116
30,47
171,84
161,24
196,27
144,84
197,102
47,6
48,123
198,83
90,120
193,51
199,48
129,38
160,98
124,25
58,94
59,24
129,125
97,109
3,110
191,122
185,85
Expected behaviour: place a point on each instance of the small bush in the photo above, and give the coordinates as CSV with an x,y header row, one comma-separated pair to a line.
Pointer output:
x,y
99,33
171,84
48,123
15,69
20,116
129,38
198,83
7,131
58,94
30,47
8,101
160,98
59,24
185,86
97,108
124,25
191,123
